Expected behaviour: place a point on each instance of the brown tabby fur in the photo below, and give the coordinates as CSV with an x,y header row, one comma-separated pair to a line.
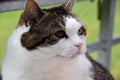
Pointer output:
x,y
101,73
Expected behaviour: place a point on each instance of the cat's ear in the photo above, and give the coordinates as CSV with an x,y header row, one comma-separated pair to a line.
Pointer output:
x,y
32,11
68,6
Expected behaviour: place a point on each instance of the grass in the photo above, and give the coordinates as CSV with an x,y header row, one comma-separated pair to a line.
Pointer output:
x,y
8,22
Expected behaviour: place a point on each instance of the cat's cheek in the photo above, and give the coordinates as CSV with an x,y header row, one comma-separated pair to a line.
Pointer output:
x,y
68,52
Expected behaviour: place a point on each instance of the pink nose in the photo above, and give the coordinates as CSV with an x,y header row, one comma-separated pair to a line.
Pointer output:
x,y
79,45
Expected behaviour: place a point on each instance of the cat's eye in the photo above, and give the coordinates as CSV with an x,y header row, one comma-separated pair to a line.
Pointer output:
x,y
80,31
60,34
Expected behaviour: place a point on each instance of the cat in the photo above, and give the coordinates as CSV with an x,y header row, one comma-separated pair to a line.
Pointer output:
x,y
50,44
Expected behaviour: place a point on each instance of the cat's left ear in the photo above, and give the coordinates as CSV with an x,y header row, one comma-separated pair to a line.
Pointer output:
x,y
32,12
68,6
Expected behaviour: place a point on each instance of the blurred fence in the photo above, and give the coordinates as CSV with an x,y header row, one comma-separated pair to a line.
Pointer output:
x,y
5,5
0,77
106,40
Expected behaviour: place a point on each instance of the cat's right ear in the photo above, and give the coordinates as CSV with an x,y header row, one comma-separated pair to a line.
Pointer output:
x,y
31,12
68,6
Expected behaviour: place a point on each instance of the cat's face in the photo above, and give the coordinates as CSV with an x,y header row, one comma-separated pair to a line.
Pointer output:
x,y
53,31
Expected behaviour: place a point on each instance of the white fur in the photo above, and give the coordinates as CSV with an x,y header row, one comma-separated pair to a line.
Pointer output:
x,y
49,63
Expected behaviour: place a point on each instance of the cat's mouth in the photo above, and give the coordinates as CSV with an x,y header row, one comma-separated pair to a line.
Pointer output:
x,y
75,54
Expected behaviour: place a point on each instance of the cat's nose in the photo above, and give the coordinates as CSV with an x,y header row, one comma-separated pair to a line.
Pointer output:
x,y
79,45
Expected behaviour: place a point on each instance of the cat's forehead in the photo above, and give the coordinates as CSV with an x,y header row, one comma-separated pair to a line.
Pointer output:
x,y
58,11
57,14
56,19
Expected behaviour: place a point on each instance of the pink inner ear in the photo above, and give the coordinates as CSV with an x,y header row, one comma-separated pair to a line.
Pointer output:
x,y
31,9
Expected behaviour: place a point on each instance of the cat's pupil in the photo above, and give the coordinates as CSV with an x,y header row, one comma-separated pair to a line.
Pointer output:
x,y
60,34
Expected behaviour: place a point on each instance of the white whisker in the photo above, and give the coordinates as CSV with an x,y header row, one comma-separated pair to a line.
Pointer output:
x,y
85,11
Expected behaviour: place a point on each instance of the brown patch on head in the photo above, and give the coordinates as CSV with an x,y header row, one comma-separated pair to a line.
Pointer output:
x,y
42,32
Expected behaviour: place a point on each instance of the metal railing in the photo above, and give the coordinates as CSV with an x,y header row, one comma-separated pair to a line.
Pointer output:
x,y
5,5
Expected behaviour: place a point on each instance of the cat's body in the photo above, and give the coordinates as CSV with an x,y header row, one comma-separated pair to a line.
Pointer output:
x,y
50,45
35,65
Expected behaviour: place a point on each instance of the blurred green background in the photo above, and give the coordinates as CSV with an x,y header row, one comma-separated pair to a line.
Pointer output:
x,y
87,11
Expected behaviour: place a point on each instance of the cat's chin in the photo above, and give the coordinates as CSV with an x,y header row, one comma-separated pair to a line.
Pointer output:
x,y
75,55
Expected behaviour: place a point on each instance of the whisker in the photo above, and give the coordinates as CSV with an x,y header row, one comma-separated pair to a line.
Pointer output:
x,y
85,18
85,11
90,50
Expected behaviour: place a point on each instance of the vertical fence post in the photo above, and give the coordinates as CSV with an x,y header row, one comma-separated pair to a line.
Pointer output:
x,y
106,30
0,77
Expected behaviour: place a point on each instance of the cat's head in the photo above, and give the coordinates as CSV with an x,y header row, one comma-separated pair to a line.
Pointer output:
x,y
54,31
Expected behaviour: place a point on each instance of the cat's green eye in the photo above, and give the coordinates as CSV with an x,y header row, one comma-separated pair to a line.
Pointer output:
x,y
60,34
80,31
